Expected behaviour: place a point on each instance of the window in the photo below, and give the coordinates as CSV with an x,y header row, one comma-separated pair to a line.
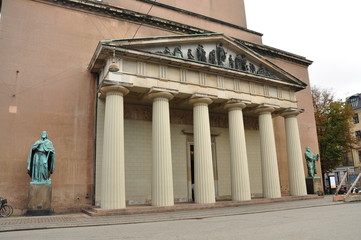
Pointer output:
x,y
358,135
354,101
355,118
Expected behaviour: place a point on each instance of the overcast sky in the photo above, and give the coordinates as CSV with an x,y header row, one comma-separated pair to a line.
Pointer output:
x,y
328,32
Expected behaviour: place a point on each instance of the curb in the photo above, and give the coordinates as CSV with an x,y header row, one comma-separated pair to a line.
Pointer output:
x,y
83,220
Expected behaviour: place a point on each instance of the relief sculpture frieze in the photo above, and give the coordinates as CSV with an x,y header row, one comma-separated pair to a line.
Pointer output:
x,y
201,54
218,56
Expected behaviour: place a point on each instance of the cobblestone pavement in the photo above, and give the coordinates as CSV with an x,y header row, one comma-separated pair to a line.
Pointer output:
x,y
82,220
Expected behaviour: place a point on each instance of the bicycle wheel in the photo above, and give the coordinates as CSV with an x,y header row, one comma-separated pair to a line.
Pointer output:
x,y
11,210
6,211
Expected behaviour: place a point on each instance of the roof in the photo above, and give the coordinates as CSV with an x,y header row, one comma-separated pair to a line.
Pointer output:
x,y
355,101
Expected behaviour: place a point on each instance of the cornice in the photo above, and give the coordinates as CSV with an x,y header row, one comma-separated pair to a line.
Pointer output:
x,y
199,16
274,52
101,9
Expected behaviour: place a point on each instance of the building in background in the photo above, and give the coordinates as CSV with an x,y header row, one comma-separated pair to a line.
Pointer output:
x,y
150,102
355,102
352,162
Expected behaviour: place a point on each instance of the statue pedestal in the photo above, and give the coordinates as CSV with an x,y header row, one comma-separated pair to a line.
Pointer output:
x,y
314,185
39,200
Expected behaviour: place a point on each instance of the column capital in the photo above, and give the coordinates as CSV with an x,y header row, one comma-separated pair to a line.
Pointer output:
x,y
154,95
291,112
264,109
235,104
200,100
114,89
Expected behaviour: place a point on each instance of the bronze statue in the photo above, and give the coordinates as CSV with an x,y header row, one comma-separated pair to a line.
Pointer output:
x,y
221,54
231,61
252,68
167,51
178,52
212,57
189,54
311,159
201,53
263,71
238,62
41,160
244,65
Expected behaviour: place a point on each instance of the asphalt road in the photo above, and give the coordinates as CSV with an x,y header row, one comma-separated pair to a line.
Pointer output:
x,y
326,222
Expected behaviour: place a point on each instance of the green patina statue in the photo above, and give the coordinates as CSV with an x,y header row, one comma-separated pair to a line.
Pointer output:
x,y
41,160
311,159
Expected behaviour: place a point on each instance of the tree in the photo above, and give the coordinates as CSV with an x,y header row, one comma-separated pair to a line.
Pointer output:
x,y
333,122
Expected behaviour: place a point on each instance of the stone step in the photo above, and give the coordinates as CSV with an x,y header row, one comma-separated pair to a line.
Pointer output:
x,y
147,209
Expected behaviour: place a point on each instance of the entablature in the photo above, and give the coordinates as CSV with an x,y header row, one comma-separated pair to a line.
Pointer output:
x,y
206,64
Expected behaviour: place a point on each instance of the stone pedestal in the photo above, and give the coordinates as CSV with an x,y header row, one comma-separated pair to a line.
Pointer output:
x,y
314,185
39,200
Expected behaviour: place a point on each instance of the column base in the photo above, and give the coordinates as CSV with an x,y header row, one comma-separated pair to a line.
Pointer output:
x,y
39,200
314,185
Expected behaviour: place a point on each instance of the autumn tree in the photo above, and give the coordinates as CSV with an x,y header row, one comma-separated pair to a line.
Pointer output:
x,y
333,122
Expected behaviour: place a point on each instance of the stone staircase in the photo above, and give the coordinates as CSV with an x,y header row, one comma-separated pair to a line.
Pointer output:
x,y
148,209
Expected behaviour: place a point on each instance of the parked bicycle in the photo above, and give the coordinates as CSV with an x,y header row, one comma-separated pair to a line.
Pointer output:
x,y
5,209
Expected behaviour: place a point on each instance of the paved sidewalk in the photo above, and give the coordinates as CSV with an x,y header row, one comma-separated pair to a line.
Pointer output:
x,y
82,220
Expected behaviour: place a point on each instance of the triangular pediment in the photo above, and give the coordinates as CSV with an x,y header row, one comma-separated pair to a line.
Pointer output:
x,y
216,52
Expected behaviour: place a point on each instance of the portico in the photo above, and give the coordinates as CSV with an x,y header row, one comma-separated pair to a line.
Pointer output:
x,y
159,100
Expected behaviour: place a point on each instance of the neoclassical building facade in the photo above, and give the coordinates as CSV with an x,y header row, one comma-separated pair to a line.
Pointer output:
x,y
192,114
150,102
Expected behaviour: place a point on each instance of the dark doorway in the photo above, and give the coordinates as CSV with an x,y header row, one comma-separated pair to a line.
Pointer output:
x,y
191,150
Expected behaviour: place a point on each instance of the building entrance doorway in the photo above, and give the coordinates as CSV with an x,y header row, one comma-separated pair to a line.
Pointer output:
x,y
191,178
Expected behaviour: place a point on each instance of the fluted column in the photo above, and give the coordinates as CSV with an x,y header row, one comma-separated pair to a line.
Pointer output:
x,y
270,175
113,176
296,171
203,166
162,180
241,190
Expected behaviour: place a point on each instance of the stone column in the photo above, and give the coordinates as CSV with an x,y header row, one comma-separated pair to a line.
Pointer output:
x,y
241,190
270,176
113,173
162,181
203,167
296,171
